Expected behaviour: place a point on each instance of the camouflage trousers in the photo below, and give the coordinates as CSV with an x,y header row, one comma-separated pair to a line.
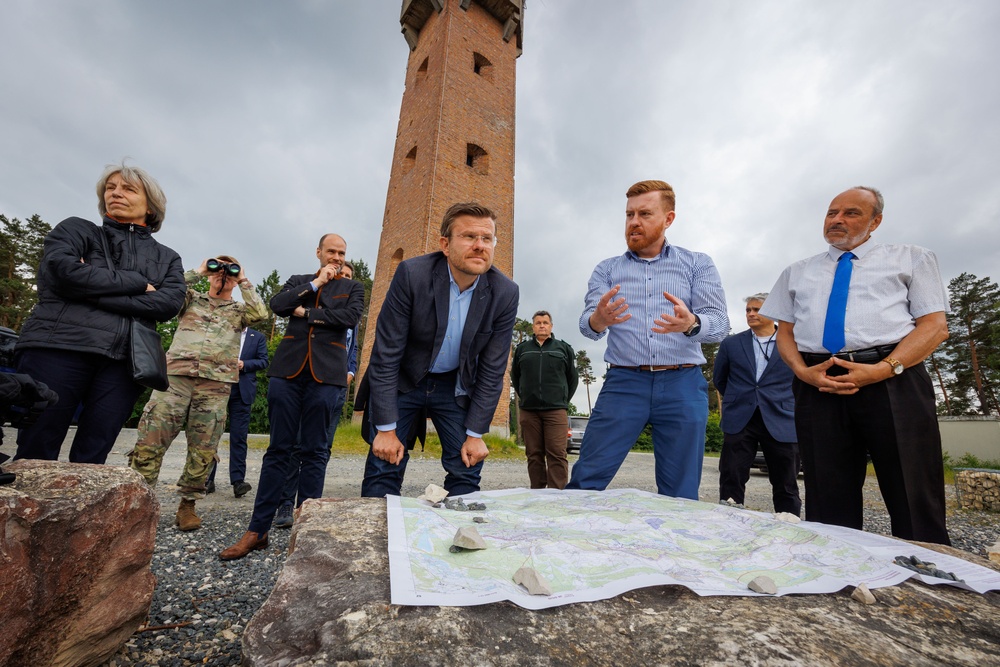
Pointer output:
x,y
197,402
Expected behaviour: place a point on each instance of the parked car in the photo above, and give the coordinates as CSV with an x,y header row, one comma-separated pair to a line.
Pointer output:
x,y
574,436
760,464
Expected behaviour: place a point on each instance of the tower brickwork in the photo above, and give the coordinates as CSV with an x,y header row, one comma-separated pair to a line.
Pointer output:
x,y
455,139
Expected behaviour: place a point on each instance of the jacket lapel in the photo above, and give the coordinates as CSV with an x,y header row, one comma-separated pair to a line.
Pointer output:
x,y
746,342
441,287
477,309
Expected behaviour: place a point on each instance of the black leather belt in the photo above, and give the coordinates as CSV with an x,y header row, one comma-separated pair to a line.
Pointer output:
x,y
869,355
653,369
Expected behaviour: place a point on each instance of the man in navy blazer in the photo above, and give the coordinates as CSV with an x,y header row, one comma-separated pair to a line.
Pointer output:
x,y
757,407
308,375
442,342
253,358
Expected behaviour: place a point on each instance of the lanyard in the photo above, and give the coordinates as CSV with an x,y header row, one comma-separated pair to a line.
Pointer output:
x,y
763,346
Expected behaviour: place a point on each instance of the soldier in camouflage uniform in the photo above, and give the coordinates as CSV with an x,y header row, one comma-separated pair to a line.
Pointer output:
x,y
203,364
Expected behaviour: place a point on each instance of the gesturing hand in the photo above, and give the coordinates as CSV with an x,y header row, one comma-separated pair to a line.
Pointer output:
x,y
609,311
682,319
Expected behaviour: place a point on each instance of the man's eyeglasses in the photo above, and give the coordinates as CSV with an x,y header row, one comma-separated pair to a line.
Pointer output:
x,y
487,239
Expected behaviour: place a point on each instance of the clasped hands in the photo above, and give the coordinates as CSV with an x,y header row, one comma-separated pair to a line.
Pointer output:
x,y
611,311
857,376
387,447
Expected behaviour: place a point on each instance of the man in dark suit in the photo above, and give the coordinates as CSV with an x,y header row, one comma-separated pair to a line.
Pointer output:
x,y
441,344
253,358
308,377
757,408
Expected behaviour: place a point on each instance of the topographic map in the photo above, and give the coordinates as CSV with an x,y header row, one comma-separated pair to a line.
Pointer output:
x,y
593,545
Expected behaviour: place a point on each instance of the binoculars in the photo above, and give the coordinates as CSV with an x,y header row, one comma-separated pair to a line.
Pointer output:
x,y
218,266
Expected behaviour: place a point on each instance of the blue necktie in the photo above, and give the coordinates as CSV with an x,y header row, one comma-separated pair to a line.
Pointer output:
x,y
836,308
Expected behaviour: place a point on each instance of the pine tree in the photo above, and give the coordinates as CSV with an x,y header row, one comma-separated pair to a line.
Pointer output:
x,y
21,245
971,355
586,371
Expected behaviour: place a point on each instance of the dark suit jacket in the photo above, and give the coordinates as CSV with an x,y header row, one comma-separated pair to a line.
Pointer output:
x,y
735,377
411,328
316,344
254,358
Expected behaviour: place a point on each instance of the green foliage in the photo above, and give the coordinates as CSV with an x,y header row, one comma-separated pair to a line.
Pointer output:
x,y
273,326
713,436
573,412
586,372
710,350
21,245
364,276
970,461
967,365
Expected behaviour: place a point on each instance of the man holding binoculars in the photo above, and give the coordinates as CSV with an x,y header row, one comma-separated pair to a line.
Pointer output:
x,y
203,364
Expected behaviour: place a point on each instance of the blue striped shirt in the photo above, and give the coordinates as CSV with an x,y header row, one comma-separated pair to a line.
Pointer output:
x,y
689,276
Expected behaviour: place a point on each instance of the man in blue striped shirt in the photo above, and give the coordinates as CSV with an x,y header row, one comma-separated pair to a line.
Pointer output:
x,y
657,303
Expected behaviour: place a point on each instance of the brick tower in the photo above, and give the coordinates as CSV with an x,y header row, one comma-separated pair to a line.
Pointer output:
x,y
455,140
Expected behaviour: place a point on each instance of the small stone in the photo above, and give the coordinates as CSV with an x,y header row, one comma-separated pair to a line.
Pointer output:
x,y
479,519
455,550
993,552
787,517
469,538
531,580
862,594
477,507
433,494
228,635
456,504
763,584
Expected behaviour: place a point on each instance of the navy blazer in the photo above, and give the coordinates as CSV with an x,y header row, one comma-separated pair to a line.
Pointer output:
x,y
254,358
735,377
316,344
411,328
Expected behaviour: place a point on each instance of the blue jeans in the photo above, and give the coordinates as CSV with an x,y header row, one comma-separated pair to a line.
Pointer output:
x,y
436,394
674,402
288,497
303,415
102,386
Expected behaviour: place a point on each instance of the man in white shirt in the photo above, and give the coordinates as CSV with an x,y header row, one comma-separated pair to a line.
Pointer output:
x,y
857,322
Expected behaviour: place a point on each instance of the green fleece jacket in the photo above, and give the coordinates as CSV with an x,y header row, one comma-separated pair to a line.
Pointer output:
x,y
544,376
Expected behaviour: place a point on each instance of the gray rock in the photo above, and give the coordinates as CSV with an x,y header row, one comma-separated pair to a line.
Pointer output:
x,y
469,538
479,519
862,594
332,605
477,507
763,584
534,582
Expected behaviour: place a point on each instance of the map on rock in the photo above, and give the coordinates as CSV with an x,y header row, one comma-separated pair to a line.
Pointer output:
x,y
593,545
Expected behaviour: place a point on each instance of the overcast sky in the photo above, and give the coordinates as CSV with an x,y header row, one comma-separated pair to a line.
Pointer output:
x,y
270,123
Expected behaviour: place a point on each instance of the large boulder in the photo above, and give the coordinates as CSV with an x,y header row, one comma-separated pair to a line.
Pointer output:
x,y
331,605
77,543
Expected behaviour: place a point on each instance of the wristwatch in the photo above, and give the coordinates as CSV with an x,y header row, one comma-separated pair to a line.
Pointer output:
x,y
694,328
897,367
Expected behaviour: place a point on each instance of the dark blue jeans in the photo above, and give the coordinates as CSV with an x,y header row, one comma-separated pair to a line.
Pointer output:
x,y
102,386
436,395
239,427
292,481
674,402
303,414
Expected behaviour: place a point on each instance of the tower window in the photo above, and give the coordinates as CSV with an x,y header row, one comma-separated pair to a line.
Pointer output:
x,y
422,71
482,66
477,158
410,160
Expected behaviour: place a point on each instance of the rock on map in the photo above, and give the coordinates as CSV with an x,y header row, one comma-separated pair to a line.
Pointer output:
x,y
593,545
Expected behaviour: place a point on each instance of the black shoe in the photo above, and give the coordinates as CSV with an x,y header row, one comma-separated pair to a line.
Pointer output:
x,y
210,487
6,477
241,488
284,519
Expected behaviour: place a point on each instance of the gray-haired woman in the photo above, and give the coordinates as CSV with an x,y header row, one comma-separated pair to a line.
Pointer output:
x,y
76,339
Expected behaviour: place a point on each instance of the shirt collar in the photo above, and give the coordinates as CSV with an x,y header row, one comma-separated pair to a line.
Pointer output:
x,y
663,254
454,285
859,252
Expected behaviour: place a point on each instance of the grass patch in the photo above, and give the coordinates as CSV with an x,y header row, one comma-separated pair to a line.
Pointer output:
x,y
348,442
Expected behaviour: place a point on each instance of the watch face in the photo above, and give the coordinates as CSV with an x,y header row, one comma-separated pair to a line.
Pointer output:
x,y
898,369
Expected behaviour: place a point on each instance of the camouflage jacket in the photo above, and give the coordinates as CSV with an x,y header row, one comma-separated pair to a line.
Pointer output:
x,y
207,341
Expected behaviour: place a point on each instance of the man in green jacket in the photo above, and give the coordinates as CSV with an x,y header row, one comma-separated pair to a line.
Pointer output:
x,y
544,376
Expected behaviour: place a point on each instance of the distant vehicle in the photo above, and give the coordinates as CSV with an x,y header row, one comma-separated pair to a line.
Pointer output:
x,y
760,464
8,339
574,436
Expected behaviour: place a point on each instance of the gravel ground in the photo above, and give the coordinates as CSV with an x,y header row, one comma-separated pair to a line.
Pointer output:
x,y
202,604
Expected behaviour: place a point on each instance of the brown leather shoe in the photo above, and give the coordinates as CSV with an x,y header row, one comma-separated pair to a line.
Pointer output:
x,y
249,542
